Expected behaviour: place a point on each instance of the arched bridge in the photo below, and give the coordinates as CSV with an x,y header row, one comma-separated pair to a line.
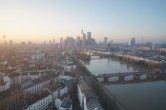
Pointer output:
x,y
136,75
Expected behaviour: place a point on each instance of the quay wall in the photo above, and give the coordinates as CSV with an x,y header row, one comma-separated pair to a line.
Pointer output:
x,y
106,99
129,58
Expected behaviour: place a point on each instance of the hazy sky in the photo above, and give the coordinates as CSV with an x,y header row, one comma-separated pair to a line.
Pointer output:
x,y
119,20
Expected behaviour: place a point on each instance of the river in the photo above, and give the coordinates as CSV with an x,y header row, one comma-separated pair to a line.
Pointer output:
x,y
132,96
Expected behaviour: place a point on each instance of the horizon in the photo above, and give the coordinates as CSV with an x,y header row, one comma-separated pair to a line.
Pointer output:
x,y
39,21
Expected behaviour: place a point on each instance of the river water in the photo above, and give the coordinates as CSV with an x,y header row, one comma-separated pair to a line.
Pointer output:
x,y
131,96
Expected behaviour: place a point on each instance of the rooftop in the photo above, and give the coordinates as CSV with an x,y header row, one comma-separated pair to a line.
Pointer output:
x,y
27,83
66,103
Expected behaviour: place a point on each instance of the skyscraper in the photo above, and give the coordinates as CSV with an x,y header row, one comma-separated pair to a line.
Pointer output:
x,y
61,42
71,42
29,42
11,42
105,40
131,42
83,39
89,39
88,35
78,41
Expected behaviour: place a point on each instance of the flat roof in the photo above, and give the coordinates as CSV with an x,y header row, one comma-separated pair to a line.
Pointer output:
x,y
94,104
66,103
66,77
26,84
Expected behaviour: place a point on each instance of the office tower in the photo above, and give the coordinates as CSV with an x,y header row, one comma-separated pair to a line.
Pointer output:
x,y
89,39
131,42
78,41
71,42
112,41
53,41
88,35
23,43
29,42
93,42
105,40
67,40
61,41
83,39
11,42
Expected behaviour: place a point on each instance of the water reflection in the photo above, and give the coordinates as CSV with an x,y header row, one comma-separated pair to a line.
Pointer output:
x,y
140,96
143,94
112,79
128,78
110,65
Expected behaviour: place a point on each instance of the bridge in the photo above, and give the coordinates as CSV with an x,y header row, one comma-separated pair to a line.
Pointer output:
x,y
98,52
133,81
135,75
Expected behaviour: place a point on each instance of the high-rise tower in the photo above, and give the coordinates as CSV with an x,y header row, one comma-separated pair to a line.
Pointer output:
x,y
105,40
88,35
131,42
83,39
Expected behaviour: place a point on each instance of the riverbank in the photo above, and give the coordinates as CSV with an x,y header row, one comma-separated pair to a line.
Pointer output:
x,y
105,98
139,64
141,94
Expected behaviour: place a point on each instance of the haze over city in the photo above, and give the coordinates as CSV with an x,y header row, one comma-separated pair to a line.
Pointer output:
x,y
43,20
82,54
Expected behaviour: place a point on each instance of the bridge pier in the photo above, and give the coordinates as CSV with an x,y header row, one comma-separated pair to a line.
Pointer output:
x,y
136,77
150,76
105,79
121,78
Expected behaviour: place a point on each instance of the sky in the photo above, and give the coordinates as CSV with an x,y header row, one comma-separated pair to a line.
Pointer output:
x,y
118,20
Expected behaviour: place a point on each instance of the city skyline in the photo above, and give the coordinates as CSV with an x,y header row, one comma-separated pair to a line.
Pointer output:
x,y
41,20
